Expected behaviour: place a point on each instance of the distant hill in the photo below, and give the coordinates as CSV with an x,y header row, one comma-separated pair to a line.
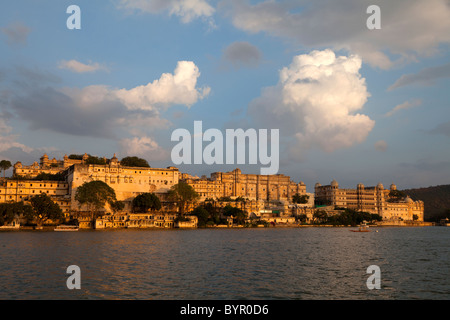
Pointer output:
x,y
436,200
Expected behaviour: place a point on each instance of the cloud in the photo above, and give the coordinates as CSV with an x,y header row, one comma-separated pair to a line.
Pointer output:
x,y
443,128
144,147
242,54
187,10
316,101
171,89
79,67
404,106
8,140
381,145
425,76
406,26
17,33
105,112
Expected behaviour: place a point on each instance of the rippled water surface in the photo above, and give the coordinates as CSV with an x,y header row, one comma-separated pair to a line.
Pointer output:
x,y
263,263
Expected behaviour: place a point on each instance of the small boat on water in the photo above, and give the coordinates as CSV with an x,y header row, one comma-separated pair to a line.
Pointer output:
x,y
363,227
66,228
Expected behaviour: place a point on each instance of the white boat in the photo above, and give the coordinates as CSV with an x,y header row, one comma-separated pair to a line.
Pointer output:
x,y
66,228
363,227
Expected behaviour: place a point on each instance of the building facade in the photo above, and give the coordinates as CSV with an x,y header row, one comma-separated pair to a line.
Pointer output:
x,y
23,190
127,182
253,193
46,166
250,186
376,200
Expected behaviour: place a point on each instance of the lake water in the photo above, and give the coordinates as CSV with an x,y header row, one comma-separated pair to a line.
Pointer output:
x,y
207,264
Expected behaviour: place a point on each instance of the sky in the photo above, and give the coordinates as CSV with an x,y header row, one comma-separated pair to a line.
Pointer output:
x,y
351,103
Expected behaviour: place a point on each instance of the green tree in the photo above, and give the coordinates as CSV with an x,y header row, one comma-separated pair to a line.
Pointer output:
x,y
213,211
146,201
302,218
134,162
239,215
76,156
9,211
95,160
45,209
94,196
202,215
396,195
297,198
320,216
50,177
5,165
116,206
182,193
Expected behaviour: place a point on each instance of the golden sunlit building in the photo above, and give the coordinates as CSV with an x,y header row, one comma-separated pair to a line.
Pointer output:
x,y
252,186
376,200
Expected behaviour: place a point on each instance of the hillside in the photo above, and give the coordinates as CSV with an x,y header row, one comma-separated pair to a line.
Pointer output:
x,y
436,200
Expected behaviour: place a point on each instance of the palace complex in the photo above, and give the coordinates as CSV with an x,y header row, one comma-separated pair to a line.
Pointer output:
x,y
265,196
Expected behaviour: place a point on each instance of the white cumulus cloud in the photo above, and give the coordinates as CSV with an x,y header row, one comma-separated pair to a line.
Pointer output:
x,y
316,101
170,89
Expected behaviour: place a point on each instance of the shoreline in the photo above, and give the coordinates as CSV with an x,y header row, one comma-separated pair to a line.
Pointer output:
x,y
283,226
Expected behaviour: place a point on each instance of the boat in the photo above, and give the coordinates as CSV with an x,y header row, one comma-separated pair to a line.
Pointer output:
x,y
66,228
363,227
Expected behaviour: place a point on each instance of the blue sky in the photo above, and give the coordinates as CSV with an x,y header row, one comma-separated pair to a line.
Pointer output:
x,y
351,104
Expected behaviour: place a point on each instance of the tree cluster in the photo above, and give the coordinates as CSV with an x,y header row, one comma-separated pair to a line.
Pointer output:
x,y
40,210
134,162
348,217
145,202
5,165
301,199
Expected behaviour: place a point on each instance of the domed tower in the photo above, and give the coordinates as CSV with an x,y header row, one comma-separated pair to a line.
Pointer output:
x,y
393,187
44,160
380,186
85,157
114,161
334,184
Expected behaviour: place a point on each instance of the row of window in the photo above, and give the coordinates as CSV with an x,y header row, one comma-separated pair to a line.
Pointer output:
x,y
32,191
24,185
128,171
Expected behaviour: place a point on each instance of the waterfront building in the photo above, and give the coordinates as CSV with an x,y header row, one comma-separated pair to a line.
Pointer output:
x,y
376,200
127,182
261,196
23,190
250,186
46,166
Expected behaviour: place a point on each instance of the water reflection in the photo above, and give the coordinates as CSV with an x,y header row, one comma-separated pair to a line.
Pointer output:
x,y
297,263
